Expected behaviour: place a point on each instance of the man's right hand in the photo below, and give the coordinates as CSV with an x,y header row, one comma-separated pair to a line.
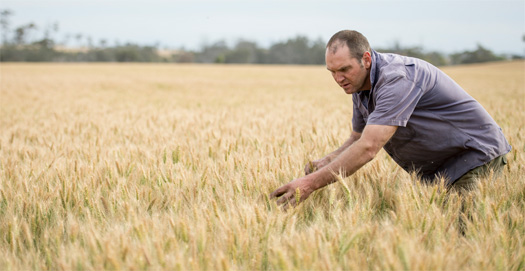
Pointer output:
x,y
313,166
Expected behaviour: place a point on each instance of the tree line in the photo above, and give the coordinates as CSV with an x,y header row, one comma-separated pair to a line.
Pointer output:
x,y
20,44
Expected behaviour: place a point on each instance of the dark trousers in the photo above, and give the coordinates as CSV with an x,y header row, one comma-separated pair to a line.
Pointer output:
x,y
470,179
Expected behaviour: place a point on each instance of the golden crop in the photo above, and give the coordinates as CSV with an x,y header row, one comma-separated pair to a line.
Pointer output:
x,y
142,166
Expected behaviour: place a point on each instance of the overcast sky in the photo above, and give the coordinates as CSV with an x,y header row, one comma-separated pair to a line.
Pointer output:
x,y
446,26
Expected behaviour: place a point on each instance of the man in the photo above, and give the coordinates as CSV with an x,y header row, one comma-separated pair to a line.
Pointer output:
x,y
424,120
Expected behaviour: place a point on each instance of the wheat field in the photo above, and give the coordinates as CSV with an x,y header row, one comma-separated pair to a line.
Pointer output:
x,y
169,167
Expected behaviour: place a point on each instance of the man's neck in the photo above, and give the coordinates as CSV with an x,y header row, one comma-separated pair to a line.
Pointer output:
x,y
368,84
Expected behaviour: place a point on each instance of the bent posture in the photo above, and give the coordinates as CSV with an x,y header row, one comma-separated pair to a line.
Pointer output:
x,y
424,120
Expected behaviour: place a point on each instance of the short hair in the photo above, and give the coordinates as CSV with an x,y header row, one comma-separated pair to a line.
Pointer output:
x,y
355,41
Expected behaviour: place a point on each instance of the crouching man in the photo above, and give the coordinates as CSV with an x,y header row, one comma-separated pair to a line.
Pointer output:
x,y
423,119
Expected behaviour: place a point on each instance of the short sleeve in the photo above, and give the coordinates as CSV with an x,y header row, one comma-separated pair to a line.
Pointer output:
x,y
395,101
358,122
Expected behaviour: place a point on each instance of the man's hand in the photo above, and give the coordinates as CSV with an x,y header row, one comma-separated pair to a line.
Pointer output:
x,y
293,192
313,166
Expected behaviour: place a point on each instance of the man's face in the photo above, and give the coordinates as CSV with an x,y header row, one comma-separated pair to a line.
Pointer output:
x,y
350,73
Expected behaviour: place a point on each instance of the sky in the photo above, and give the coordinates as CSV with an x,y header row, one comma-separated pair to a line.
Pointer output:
x,y
446,26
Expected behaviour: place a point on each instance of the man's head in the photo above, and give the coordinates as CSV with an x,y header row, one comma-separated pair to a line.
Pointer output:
x,y
348,58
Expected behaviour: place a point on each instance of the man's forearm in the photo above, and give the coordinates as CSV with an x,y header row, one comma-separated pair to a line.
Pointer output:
x,y
356,155
360,152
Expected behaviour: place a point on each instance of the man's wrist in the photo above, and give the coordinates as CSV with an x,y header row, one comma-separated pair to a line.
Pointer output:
x,y
319,179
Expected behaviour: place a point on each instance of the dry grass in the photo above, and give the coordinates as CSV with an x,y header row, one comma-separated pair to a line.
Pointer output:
x,y
169,166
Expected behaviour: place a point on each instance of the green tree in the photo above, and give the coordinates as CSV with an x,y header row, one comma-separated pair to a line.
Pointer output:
x,y
212,53
4,24
481,54
243,52
298,50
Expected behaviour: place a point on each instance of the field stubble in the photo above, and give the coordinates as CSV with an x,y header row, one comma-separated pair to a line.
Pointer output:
x,y
107,166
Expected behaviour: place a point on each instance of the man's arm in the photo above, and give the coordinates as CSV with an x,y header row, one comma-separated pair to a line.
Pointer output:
x,y
317,164
359,153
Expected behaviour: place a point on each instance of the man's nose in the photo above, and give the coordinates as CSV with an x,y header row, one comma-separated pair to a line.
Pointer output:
x,y
339,78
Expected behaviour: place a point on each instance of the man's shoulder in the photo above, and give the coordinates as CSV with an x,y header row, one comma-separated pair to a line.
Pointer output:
x,y
391,61
390,66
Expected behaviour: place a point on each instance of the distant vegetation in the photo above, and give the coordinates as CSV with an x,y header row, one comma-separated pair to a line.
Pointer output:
x,y
24,43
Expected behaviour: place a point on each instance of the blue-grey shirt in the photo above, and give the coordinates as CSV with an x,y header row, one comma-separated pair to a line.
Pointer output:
x,y
442,130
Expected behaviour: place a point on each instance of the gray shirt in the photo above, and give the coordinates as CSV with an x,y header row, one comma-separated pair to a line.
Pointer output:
x,y
442,130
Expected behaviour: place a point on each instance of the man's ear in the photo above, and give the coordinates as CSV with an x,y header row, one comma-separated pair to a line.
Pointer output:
x,y
367,60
